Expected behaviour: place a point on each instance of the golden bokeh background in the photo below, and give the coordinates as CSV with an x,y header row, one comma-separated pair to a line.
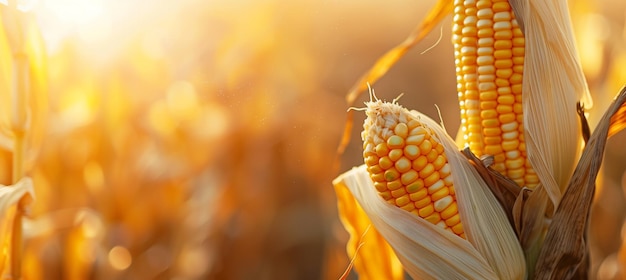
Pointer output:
x,y
196,139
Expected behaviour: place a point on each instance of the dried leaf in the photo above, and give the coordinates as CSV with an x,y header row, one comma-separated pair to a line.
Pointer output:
x,y
383,64
565,247
584,125
503,188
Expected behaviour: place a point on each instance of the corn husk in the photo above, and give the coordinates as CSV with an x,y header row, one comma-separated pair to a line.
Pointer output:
x,y
426,251
553,83
553,86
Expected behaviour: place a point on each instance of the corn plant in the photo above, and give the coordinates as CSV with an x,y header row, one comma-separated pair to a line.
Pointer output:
x,y
514,203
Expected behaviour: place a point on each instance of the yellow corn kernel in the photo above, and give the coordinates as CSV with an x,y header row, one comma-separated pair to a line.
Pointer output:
x,y
489,62
395,154
407,207
419,196
393,185
403,165
409,177
409,167
416,186
439,162
425,201
411,152
452,221
385,163
441,193
395,142
434,218
398,193
391,174
426,211
420,163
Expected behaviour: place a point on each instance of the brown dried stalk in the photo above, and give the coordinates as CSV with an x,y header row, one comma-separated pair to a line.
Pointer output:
x,y
564,254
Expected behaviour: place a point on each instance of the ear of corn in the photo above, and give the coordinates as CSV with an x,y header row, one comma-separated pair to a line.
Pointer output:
x,y
408,166
489,57
425,235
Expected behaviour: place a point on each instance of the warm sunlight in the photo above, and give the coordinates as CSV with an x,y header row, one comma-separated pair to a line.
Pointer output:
x,y
198,139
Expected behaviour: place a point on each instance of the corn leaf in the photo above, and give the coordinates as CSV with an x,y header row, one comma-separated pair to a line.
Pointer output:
x,y
564,254
618,121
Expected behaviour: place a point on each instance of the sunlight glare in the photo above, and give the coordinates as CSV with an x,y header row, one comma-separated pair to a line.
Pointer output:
x,y
76,12
22,5
91,21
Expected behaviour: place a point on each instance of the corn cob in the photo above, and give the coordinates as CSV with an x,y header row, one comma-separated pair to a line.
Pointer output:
x,y
408,165
489,58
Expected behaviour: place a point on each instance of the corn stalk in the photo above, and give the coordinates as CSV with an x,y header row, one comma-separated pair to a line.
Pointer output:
x,y
19,95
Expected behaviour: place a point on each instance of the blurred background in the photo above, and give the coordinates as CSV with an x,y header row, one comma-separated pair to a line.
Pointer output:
x,y
196,139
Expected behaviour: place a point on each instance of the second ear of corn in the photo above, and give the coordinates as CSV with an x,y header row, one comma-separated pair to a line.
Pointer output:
x,y
408,165
407,162
489,58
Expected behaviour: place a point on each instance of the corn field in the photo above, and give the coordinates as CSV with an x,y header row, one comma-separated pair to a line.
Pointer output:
x,y
199,139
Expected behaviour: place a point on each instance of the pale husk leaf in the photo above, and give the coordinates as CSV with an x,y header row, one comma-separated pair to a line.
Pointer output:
x,y
9,197
426,251
553,83
486,225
